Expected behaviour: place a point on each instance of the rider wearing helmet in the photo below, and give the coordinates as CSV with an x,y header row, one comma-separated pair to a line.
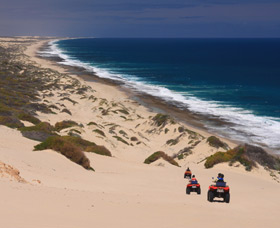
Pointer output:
x,y
220,178
193,180
188,173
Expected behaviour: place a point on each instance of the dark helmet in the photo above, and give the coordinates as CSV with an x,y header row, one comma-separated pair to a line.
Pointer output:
x,y
220,175
193,176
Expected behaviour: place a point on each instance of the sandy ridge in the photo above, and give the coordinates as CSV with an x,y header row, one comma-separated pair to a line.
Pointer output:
x,y
123,189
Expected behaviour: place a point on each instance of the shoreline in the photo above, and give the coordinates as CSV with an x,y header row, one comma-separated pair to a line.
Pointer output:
x,y
44,188
154,104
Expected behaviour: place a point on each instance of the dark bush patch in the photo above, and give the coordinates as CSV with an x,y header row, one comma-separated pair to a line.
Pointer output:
x,y
157,155
54,107
172,142
121,139
65,124
247,155
184,152
66,148
181,129
92,123
28,117
162,120
102,150
134,139
259,155
123,111
217,143
5,110
122,132
11,122
66,111
39,132
99,132
69,99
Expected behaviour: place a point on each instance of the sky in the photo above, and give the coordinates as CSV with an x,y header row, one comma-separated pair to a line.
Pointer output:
x,y
141,18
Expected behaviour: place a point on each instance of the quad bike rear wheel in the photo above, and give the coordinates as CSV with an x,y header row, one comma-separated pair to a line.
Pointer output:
x,y
198,191
210,196
227,198
188,191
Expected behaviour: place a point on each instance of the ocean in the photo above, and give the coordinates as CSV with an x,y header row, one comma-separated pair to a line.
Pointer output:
x,y
236,81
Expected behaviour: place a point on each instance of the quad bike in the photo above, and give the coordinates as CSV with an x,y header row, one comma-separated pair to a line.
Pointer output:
x,y
193,187
219,190
188,175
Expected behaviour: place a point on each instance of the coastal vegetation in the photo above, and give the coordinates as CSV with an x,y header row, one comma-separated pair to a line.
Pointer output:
x,y
99,132
66,147
160,154
247,155
161,120
65,124
39,132
121,139
216,142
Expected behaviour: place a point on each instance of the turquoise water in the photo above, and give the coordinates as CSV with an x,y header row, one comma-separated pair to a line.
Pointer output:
x,y
234,80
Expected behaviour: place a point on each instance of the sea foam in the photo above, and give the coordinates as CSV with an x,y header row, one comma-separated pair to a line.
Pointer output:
x,y
244,127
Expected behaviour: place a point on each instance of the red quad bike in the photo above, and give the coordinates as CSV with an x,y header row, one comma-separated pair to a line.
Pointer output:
x,y
220,190
193,187
188,175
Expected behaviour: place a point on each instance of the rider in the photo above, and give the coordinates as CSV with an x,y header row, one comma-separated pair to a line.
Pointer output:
x,y
193,180
220,178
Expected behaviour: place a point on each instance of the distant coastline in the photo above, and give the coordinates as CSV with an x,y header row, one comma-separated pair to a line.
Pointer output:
x,y
203,121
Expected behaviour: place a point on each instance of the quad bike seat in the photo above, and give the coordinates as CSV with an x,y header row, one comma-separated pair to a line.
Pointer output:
x,y
221,184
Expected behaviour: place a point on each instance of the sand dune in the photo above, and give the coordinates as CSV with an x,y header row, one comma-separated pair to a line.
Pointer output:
x,y
124,192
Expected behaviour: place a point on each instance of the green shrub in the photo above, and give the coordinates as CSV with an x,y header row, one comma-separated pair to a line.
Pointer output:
x,y
42,126
121,139
157,155
66,148
39,132
6,110
11,122
85,145
123,111
67,111
99,132
180,156
92,123
162,120
102,150
65,124
28,117
181,129
134,139
123,133
235,155
217,143
172,142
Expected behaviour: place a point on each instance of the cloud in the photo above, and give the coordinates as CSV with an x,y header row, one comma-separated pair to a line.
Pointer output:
x,y
64,17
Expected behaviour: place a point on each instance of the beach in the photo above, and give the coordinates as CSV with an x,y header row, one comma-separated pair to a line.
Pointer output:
x,y
43,188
